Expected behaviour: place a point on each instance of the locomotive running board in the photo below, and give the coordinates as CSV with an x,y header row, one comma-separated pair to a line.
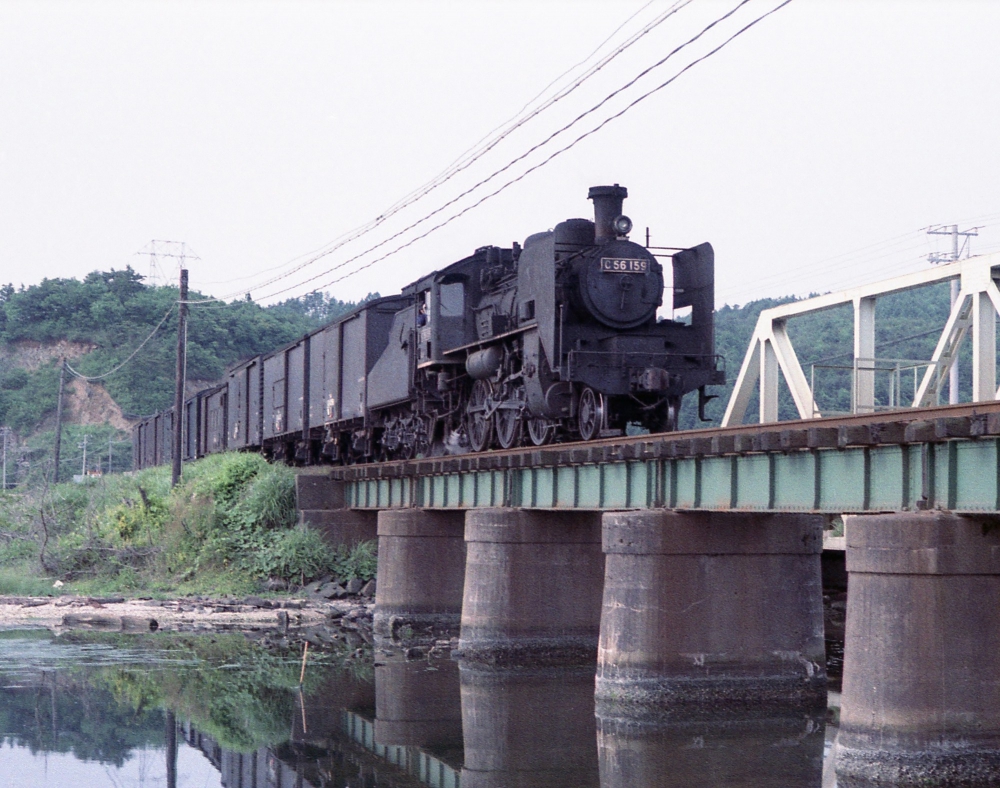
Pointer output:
x,y
489,341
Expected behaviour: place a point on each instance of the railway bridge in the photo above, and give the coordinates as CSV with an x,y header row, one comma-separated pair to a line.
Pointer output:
x,y
687,567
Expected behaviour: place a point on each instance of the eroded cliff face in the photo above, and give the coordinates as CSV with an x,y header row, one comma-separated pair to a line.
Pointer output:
x,y
30,355
90,403
85,402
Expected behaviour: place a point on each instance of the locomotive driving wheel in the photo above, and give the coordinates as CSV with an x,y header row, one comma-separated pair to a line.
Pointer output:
x,y
508,426
590,414
478,423
540,431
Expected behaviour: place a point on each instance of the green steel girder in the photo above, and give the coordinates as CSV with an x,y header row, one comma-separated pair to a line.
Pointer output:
x,y
957,475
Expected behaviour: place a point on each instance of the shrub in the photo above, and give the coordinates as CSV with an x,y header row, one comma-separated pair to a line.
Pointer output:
x,y
131,521
295,555
268,503
361,561
302,554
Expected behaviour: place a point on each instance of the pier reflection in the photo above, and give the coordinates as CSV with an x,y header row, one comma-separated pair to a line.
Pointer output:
x,y
417,703
526,728
778,751
416,730
457,725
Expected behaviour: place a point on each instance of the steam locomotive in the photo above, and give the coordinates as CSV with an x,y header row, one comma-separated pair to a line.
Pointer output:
x,y
556,340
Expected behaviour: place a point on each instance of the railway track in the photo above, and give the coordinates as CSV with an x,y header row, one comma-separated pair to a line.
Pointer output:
x,y
897,427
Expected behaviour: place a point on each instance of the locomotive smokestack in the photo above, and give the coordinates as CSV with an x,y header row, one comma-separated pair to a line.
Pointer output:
x,y
607,208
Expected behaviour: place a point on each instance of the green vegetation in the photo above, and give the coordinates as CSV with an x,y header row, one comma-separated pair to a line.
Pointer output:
x,y
114,311
229,525
108,451
27,397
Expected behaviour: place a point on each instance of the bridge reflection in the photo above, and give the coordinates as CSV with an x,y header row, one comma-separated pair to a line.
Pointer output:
x,y
444,724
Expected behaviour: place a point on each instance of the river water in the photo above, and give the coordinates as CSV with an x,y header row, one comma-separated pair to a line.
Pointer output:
x,y
86,709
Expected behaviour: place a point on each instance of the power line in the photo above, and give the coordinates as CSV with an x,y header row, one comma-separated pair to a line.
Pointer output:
x,y
475,153
134,352
541,164
573,68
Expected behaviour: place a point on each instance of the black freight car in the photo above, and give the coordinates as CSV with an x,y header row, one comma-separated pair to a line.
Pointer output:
x,y
243,404
214,418
314,392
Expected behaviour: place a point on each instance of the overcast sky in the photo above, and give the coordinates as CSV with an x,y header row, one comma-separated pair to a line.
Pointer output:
x,y
811,150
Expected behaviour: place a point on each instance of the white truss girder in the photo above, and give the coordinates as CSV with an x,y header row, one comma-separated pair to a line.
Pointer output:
x,y
973,313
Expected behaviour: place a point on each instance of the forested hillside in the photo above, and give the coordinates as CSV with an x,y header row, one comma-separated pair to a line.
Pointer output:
x,y
114,311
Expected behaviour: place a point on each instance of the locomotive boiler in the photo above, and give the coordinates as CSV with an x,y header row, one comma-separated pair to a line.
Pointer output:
x,y
556,340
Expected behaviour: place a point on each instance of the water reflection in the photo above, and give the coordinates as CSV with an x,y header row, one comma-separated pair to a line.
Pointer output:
x,y
780,751
99,709
528,727
418,703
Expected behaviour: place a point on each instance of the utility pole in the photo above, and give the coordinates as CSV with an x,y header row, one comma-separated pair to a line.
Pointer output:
x,y
59,403
83,470
4,457
175,476
953,231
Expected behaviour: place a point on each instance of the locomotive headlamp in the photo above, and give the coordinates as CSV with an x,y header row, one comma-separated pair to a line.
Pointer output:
x,y
622,225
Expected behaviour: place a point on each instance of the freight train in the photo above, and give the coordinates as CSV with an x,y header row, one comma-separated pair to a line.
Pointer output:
x,y
554,340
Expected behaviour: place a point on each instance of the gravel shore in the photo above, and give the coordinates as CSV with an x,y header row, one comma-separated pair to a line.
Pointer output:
x,y
181,615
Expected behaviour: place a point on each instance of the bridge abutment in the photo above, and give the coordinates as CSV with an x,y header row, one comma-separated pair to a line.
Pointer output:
x,y
921,698
709,613
320,503
421,571
532,586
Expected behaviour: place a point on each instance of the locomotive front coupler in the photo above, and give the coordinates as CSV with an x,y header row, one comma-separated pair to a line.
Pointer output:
x,y
703,399
654,379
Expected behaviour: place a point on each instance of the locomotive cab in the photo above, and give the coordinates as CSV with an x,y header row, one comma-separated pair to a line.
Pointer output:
x,y
441,321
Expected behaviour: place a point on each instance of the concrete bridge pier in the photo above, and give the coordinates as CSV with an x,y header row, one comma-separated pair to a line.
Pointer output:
x,y
421,570
532,587
921,692
711,613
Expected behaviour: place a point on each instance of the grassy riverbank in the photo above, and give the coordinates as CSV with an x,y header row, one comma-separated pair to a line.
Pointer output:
x,y
226,529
